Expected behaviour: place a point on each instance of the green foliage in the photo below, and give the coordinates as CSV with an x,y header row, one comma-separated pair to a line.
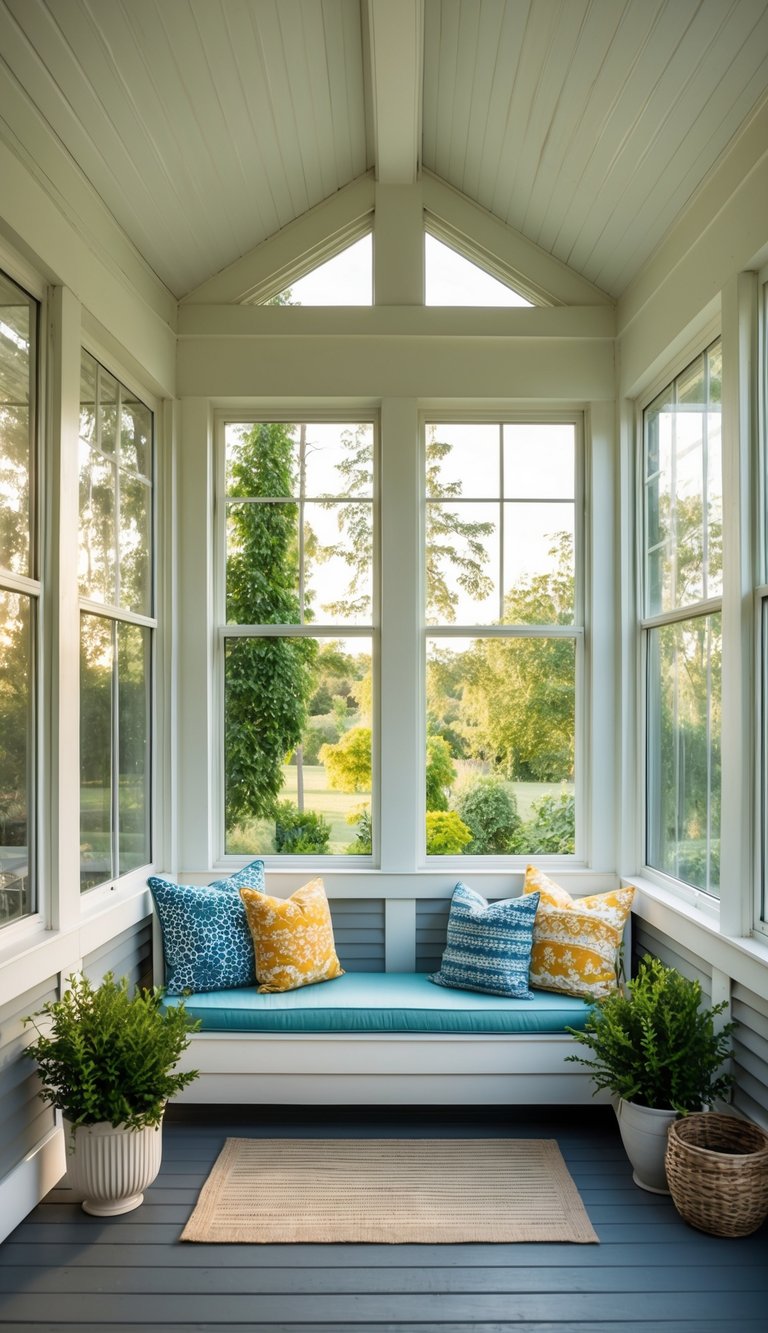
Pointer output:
x,y
447,834
655,1045
363,843
490,813
441,773
106,1055
454,544
300,831
552,828
267,680
321,730
348,764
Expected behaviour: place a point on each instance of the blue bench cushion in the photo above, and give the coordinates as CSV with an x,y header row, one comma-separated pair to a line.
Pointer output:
x,y
382,1002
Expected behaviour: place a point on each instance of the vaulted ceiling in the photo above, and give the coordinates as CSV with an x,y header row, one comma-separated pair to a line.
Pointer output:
x,y
205,126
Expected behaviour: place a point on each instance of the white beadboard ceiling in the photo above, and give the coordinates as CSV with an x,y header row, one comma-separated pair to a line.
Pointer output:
x,y
206,125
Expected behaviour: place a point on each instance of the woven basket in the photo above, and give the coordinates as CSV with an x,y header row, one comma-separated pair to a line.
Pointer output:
x,y
717,1169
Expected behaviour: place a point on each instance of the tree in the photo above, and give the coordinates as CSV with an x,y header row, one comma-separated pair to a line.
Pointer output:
x,y
348,763
441,773
268,680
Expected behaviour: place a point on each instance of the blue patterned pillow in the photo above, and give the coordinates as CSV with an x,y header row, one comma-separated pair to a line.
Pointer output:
x,y
206,941
489,944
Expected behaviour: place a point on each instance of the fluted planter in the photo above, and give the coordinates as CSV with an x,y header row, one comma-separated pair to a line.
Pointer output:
x,y
644,1133
111,1167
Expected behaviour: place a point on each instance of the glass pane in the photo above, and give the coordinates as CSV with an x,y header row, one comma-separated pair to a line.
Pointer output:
x,y
107,389
462,554
539,461
88,374
262,459
136,437
346,279
451,279
336,459
16,755
501,726
539,569
96,731
338,556
683,766
135,544
263,564
98,536
17,369
298,746
463,460
133,675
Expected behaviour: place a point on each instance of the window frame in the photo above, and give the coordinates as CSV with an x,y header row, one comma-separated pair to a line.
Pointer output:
x,y
579,632
760,609
300,412
709,904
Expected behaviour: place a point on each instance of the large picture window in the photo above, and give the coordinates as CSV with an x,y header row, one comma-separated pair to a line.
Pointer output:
x,y
19,599
681,625
503,612
298,516
116,626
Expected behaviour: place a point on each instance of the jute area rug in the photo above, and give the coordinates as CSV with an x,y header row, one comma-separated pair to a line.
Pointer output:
x,y
389,1191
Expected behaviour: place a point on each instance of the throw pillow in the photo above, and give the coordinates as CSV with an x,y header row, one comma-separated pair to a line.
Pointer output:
x,y
576,941
488,945
206,941
292,938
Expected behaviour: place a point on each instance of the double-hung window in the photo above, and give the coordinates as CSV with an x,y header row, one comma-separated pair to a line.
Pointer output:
x,y
20,595
296,636
504,638
117,624
681,623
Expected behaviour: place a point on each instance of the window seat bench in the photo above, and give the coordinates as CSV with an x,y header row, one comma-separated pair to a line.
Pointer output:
x,y
383,1038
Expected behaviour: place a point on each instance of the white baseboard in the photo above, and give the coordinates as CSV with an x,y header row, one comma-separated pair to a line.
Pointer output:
x,y
29,1182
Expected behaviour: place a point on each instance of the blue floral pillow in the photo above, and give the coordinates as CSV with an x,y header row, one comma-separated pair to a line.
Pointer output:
x,y
206,941
489,944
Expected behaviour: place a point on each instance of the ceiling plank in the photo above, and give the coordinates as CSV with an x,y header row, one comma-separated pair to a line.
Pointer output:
x,y
396,36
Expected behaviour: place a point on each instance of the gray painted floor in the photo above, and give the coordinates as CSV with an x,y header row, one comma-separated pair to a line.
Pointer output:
x,y
61,1269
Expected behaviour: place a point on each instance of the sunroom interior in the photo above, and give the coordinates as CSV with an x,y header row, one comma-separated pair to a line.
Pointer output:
x,y
493,275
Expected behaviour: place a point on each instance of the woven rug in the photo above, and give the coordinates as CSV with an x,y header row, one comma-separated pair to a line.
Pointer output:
x,y
389,1191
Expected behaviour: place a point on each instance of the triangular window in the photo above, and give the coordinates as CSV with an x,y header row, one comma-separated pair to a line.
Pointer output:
x,y
347,279
453,280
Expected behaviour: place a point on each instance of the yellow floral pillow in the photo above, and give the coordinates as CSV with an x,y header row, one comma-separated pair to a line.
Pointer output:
x,y
292,938
576,941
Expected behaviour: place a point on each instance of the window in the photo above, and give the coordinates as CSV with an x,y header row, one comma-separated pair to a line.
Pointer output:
x,y
298,521
116,626
346,279
451,279
503,650
19,599
681,624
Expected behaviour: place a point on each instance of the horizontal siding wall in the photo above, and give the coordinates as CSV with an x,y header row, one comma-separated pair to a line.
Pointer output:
x,y
129,955
431,928
646,939
750,1053
358,929
24,1119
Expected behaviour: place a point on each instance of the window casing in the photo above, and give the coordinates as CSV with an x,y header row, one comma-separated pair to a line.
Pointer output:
x,y
681,601
20,599
117,625
761,621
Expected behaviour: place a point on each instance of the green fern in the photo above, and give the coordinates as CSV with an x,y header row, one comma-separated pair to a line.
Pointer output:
x,y
656,1045
106,1055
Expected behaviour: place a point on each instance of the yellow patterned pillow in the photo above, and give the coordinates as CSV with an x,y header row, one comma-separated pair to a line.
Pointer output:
x,y
576,941
292,938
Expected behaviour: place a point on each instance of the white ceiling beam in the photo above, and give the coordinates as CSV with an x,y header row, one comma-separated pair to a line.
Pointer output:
x,y
396,53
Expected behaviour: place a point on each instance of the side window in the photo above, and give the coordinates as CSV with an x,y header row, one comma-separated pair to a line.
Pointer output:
x,y
20,594
681,623
116,625
297,637
503,639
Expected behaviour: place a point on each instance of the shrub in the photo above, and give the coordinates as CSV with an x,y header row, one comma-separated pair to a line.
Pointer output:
x,y
552,829
447,834
655,1045
441,773
109,1055
490,813
363,844
300,831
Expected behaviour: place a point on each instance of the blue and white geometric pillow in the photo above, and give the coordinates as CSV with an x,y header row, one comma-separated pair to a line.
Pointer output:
x,y
489,944
206,941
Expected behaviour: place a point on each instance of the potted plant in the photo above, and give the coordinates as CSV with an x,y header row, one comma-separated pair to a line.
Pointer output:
x,y
660,1053
106,1059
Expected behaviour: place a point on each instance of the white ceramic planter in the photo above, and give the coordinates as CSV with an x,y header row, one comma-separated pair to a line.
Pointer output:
x,y
644,1135
111,1167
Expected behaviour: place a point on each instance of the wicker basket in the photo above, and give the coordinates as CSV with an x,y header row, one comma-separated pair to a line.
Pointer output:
x,y
717,1169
